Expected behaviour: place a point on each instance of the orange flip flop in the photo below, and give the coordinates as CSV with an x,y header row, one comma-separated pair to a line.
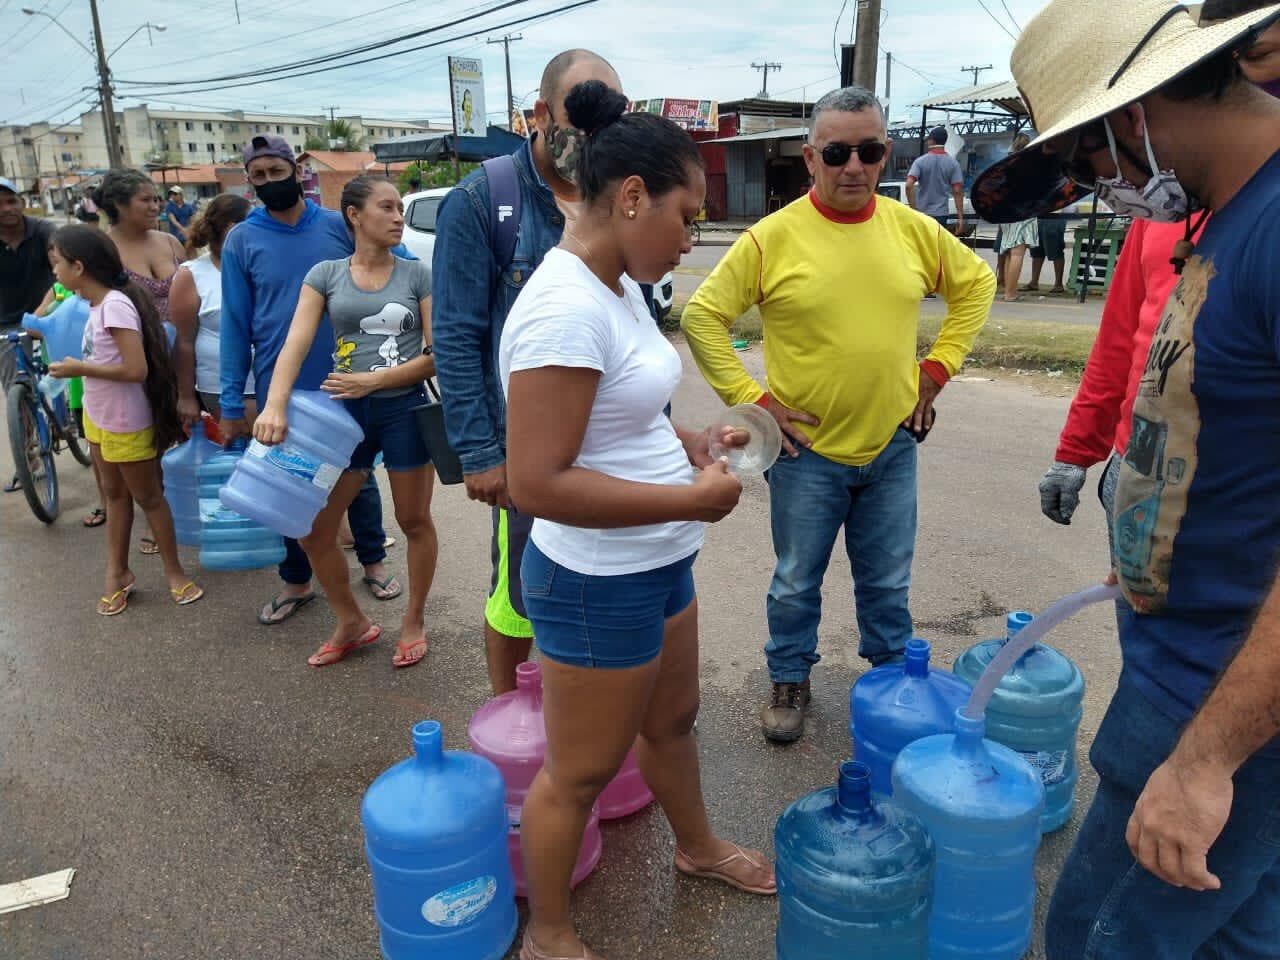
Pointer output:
x,y
404,657
340,653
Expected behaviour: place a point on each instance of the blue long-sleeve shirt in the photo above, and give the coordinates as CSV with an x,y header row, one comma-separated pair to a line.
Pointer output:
x,y
263,264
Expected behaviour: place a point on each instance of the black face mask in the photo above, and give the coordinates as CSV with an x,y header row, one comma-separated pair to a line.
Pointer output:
x,y
279,195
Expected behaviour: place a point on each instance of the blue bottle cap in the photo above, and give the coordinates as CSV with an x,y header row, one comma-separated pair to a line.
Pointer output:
x,y
1015,621
428,742
917,657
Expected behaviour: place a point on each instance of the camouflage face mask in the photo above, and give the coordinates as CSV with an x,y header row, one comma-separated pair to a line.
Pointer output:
x,y
565,147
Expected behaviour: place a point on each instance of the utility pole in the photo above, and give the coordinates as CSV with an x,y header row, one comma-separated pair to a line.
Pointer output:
x,y
888,85
976,71
328,134
506,52
866,49
766,67
114,157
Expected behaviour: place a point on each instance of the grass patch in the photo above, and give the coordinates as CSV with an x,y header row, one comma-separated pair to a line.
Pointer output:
x,y
1015,343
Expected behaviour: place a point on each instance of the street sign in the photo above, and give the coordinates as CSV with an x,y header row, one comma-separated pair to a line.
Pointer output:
x,y
466,89
689,114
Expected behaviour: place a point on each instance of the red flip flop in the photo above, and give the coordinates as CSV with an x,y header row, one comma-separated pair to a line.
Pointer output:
x,y
369,636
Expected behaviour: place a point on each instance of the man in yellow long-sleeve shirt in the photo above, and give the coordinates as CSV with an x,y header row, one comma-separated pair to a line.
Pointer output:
x,y
838,277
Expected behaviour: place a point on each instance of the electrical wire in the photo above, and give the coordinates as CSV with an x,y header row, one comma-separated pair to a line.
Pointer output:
x,y
997,21
835,33
387,56
327,58
1012,18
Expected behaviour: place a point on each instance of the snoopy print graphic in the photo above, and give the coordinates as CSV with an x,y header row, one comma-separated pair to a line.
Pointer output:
x,y
386,327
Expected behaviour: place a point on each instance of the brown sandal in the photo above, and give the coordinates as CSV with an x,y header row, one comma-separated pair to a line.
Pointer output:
x,y
722,871
530,951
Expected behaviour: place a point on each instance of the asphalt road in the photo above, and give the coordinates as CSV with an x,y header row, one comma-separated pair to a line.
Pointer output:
x,y
205,782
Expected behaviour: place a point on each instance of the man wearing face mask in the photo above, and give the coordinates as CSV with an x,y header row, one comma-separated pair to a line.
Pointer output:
x,y
1179,855
264,261
472,294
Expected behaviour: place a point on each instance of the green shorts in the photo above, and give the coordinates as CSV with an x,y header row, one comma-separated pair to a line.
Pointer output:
x,y
505,609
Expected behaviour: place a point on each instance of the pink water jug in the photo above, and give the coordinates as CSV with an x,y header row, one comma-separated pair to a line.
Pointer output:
x,y
626,793
509,730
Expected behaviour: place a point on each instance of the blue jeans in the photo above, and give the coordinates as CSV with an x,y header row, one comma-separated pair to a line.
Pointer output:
x,y
811,498
365,515
1107,907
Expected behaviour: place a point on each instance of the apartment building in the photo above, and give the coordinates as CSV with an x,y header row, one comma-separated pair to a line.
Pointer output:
x,y
28,151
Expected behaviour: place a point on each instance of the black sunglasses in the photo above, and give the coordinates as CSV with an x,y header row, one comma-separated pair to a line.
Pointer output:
x,y
869,153
1093,139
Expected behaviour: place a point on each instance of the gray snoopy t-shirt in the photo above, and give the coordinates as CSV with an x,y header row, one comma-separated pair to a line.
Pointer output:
x,y
374,330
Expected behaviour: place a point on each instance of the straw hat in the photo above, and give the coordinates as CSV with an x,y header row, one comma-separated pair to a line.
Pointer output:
x,y
1080,60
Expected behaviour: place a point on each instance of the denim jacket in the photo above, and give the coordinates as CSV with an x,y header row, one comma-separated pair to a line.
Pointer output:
x,y
470,302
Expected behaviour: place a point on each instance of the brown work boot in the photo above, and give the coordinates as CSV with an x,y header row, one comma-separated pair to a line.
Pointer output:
x,y
782,720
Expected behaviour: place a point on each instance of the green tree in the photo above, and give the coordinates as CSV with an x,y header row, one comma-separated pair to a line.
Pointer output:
x,y
338,135
433,175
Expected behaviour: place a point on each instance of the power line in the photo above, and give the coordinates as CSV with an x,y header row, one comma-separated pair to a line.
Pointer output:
x,y
766,67
997,21
1012,18
327,58
385,56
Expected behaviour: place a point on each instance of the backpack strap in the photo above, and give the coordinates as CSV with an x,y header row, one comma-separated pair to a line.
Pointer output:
x,y
504,207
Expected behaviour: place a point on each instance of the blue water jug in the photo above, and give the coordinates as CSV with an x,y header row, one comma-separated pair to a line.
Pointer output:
x,y
435,829
283,487
229,541
62,329
855,877
1036,711
897,704
981,803
182,484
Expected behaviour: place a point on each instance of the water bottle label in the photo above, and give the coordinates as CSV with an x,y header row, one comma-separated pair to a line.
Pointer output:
x,y
296,463
212,510
1051,764
460,904
513,817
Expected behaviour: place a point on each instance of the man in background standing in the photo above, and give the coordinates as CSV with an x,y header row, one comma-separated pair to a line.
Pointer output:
x,y
1052,247
934,180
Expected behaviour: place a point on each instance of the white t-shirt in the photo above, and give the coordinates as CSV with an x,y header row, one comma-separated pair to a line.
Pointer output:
x,y
565,317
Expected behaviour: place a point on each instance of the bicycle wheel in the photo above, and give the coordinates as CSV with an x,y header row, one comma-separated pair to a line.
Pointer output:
x,y
72,430
31,442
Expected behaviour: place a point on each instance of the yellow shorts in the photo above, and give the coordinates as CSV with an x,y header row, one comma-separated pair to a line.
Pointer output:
x,y
122,447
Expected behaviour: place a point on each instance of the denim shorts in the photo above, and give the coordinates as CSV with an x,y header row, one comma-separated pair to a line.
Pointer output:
x,y
603,622
391,428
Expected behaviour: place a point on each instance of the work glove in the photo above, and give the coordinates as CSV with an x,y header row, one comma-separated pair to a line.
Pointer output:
x,y
1060,491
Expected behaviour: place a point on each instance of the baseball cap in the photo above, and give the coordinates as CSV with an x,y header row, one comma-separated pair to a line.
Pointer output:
x,y
7,184
175,189
267,145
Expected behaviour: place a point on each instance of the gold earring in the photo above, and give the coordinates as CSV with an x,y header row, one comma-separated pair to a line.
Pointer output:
x,y
631,214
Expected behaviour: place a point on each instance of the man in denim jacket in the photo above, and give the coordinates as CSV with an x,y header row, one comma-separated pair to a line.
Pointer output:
x,y
471,299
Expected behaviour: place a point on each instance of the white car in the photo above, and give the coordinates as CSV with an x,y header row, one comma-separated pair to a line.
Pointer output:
x,y
420,221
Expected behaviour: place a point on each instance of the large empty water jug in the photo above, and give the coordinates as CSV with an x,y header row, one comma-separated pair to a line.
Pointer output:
x,y
898,704
284,486
981,803
435,835
1035,710
62,329
626,793
510,731
229,541
182,482
855,876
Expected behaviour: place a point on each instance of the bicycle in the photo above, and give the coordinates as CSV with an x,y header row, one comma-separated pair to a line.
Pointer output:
x,y
39,428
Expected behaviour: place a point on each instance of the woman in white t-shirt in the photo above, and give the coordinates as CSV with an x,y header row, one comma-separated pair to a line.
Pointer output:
x,y
607,575
195,307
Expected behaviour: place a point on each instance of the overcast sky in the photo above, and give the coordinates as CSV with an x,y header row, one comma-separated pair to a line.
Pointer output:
x,y
662,48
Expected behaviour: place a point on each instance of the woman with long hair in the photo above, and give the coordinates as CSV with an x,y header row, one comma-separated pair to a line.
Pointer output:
x,y
380,309
130,405
150,256
195,309
619,508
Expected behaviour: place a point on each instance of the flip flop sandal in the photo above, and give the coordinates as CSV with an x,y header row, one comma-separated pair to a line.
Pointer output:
x,y
718,871
340,653
387,543
387,589
96,518
13,486
107,605
291,604
404,656
186,594
148,547
531,951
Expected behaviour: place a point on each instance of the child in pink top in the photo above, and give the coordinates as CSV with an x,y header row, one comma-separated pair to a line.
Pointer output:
x,y
130,405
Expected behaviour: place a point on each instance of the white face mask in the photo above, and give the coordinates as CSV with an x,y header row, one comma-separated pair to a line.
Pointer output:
x,y
1163,199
